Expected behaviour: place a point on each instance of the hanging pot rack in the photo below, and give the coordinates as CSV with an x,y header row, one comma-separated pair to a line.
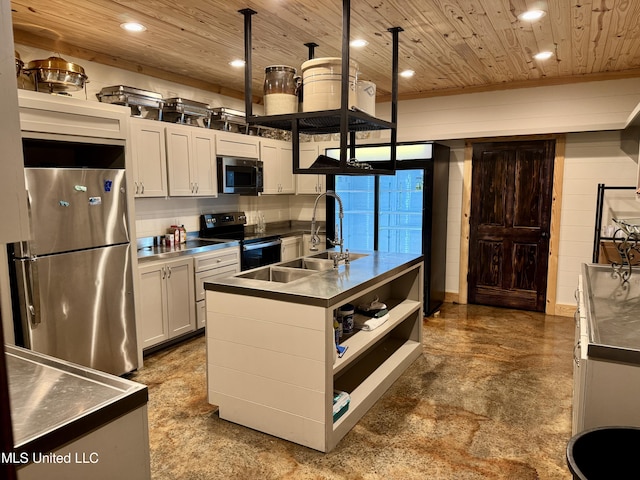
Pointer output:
x,y
344,120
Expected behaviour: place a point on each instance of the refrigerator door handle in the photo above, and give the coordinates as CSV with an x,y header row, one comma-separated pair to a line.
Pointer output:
x,y
32,290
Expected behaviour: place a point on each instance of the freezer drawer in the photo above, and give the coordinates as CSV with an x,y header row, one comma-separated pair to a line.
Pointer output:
x,y
83,310
75,208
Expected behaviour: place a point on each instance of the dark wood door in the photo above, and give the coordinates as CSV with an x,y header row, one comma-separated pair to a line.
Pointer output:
x,y
511,198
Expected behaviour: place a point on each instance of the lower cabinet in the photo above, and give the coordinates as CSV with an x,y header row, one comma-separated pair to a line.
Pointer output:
x,y
605,391
209,266
291,248
166,299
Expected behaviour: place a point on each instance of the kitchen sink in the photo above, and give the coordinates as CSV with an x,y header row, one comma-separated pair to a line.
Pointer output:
x,y
329,255
318,264
278,273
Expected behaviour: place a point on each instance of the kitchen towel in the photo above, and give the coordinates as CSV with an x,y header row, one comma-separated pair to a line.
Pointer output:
x,y
364,323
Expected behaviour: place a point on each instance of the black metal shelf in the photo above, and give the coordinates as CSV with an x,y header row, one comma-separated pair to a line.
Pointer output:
x,y
344,120
326,121
597,234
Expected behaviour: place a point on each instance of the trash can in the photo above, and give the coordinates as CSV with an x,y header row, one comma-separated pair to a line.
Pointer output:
x,y
604,453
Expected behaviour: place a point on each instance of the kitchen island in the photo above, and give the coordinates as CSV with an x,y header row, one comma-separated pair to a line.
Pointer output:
x,y
271,352
71,421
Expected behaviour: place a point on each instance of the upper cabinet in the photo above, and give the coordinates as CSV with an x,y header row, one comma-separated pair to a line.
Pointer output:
x,y
191,161
149,158
276,156
309,183
237,145
56,114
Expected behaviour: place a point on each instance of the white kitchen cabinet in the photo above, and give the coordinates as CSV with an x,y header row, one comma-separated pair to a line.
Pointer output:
x,y
57,114
277,161
166,299
191,161
209,266
291,248
149,158
309,183
237,144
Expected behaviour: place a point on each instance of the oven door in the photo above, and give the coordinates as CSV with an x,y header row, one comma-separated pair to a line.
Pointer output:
x,y
261,253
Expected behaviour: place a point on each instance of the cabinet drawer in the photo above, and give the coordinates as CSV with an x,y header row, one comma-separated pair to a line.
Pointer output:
x,y
221,259
212,274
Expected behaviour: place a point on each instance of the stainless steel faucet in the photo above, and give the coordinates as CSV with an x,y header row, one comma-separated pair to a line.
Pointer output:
x,y
339,240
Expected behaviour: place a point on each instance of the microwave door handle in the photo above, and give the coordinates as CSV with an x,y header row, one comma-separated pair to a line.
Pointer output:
x,y
255,246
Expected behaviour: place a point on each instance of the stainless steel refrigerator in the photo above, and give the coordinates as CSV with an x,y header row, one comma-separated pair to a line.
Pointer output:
x,y
73,280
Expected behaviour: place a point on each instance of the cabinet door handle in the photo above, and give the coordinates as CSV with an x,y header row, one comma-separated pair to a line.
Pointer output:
x,y
164,273
142,186
136,184
576,357
169,274
197,187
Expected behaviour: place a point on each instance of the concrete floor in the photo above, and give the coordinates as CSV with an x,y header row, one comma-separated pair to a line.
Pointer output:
x,y
489,399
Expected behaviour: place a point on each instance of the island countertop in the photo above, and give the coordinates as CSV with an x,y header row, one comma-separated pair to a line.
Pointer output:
x,y
323,288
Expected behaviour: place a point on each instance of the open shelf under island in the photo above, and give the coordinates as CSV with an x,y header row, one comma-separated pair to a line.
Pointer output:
x,y
271,354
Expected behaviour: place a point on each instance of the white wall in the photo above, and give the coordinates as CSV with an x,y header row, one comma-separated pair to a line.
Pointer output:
x,y
454,216
590,159
589,106
603,108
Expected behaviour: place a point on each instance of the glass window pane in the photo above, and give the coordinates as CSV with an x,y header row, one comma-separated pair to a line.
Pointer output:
x,y
357,194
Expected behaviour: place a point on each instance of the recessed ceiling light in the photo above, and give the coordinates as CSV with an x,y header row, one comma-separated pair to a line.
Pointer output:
x,y
407,73
237,63
133,27
359,43
532,15
543,55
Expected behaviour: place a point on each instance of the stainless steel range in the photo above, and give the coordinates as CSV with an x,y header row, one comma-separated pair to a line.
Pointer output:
x,y
256,249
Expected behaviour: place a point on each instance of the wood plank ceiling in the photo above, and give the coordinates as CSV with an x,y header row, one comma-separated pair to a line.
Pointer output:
x,y
454,46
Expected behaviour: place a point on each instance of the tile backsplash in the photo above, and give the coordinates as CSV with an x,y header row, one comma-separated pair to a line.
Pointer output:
x,y
155,215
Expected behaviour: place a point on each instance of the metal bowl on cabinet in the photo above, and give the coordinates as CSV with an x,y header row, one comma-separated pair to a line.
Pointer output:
x,y
55,74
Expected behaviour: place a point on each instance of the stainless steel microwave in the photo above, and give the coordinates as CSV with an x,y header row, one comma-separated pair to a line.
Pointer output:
x,y
242,176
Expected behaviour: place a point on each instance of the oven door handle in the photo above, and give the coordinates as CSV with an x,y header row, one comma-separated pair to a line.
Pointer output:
x,y
255,246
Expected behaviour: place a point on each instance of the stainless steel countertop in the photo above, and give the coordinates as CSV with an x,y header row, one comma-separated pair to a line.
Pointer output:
x,y
322,288
150,252
54,402
613,314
